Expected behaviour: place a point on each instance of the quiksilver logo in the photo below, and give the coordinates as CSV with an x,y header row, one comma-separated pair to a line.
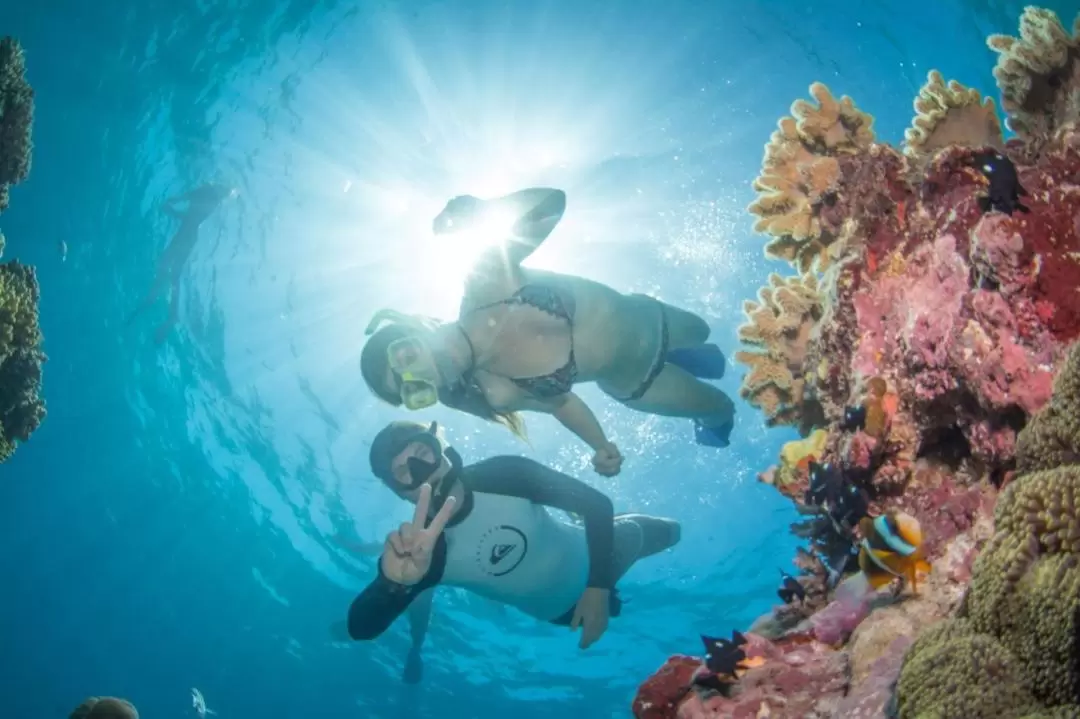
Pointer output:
x,y
499,552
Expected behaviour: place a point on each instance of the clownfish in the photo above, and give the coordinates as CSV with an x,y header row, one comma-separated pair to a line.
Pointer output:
x,y
891,548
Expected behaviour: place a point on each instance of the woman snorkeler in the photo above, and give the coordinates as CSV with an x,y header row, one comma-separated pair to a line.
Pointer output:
x,y
524,338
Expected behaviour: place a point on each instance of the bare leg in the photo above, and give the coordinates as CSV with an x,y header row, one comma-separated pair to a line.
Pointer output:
x,y
685,329
677,393
638,536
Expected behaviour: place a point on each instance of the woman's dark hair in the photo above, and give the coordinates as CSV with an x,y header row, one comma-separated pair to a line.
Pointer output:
x,y
465,396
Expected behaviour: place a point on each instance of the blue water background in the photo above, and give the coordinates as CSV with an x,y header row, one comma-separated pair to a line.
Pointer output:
x,y
172,523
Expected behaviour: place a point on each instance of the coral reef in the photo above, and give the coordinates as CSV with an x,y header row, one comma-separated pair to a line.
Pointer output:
x,y
21,407
21,357
922,351
1039,75
950,115
778,327
1016,639
16,118
105,708
800,174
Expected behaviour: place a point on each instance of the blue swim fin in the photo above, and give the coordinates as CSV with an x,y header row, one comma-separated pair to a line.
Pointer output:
x,y
705,361
719,437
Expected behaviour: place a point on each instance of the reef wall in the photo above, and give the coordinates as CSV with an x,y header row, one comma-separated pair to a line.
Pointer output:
x,y
21,357
934,296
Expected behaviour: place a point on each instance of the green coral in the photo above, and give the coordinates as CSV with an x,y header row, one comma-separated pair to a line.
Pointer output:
x,y
1020,630
1052,438
953,671
21,357
16,118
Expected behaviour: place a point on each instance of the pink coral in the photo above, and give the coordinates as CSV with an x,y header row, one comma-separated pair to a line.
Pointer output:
x,y
659,696
797,679
870,697
851,604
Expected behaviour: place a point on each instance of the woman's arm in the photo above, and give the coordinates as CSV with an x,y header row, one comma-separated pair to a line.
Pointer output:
x,y
575,415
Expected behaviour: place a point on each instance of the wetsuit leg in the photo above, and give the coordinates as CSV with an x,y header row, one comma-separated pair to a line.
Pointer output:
x,y
638,536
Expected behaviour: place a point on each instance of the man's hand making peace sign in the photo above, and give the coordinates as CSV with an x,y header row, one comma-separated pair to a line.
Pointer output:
x,y
406,556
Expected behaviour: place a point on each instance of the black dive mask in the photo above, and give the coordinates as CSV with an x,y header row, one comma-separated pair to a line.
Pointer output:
x,y
420,470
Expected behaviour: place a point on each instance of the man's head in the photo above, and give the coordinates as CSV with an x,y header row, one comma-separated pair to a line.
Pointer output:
x,y
408,455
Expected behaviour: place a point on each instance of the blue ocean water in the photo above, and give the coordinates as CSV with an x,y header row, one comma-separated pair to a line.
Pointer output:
x,y
174,522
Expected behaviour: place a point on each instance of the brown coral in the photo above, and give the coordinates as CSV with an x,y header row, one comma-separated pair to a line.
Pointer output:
x,y
105,708
16,117
1039,75
948,115
800,174
780,325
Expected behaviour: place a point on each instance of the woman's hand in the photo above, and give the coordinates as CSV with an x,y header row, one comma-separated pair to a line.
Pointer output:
x,y
406,556
608,460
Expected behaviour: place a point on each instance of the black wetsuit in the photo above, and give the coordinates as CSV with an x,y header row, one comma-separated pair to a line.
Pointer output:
x,y
503,544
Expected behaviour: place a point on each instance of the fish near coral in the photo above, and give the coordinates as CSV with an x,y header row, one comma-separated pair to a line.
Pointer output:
x,y
830,489
872,414
790,589
854,418
725,661
891,549
1004,190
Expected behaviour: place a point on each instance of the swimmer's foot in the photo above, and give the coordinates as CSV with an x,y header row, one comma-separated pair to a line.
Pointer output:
x,y
705,361
718,436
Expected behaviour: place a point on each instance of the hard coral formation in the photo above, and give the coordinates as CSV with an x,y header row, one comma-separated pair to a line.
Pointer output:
x,y
1017,640
16,118
779,327
21,356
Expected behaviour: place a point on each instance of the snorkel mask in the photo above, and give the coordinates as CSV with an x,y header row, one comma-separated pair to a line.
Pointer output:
x,y
411,361
420,470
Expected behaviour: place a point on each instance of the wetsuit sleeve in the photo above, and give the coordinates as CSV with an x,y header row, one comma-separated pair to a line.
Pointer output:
x,y
383,601
522,477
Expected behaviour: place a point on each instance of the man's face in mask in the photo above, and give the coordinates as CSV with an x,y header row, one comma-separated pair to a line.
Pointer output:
x,y
416,460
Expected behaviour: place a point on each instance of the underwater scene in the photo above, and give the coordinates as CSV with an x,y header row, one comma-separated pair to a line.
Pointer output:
x,y
447,359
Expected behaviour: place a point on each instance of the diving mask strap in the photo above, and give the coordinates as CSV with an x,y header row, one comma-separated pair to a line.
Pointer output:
x,y
396,317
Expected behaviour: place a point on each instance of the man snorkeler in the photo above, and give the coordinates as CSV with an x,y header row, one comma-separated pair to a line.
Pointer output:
x,y
486,528
201,203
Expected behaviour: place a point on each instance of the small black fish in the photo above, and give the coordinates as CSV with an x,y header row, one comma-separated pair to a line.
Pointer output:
x,y
790,588
826,481
854,418
722,656
1005,189
850,506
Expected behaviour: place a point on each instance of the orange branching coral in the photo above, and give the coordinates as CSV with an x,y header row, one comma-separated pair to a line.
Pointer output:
x,y
1039,74
779,326
949,115
800,174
